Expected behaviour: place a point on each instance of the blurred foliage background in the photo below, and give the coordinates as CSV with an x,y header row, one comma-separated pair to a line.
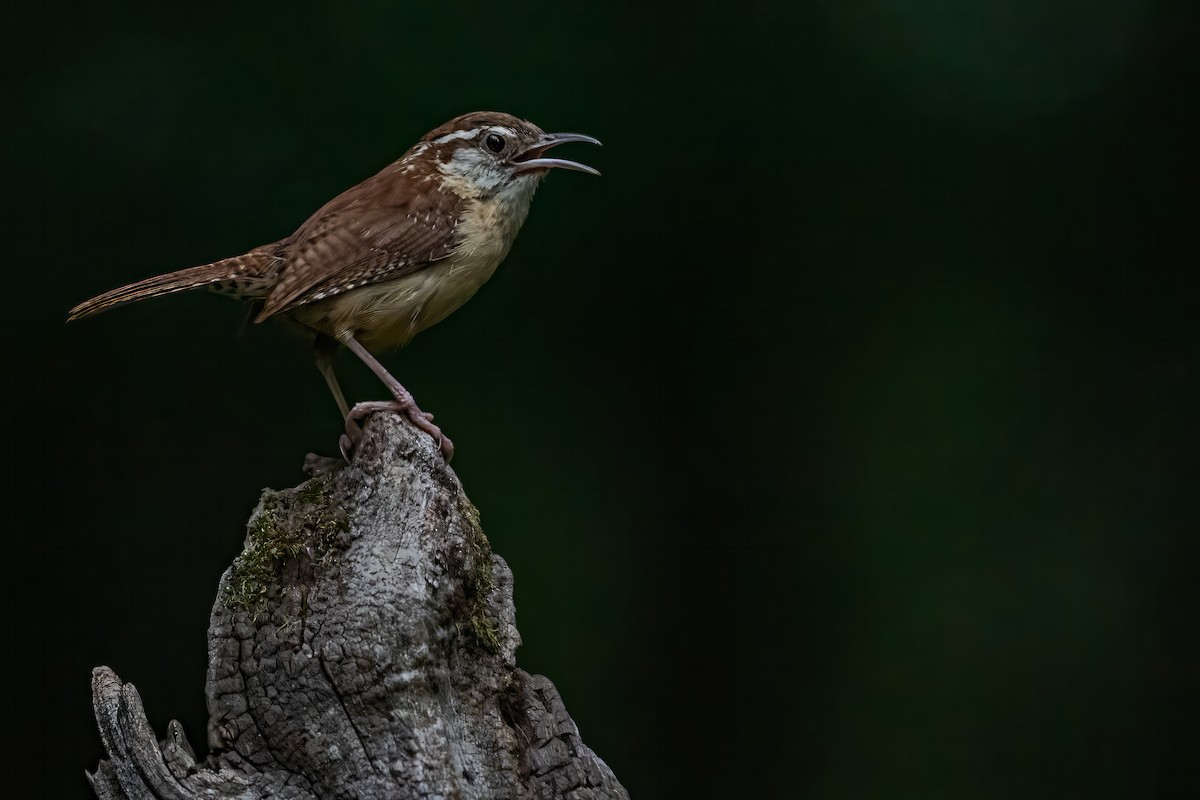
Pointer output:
x,y
841,438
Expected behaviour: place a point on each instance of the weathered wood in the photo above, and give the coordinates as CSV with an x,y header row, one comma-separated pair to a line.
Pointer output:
x,y
363,645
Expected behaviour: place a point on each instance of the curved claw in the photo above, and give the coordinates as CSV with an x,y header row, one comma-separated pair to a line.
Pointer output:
x,y
446,446
419,418
425,423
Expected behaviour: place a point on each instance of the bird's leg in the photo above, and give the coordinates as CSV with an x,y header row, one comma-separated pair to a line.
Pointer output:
x,y
403,402
323,349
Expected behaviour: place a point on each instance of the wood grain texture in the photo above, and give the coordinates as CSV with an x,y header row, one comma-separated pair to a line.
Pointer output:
x,y
363,645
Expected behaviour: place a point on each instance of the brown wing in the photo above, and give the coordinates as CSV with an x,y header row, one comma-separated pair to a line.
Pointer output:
x,y
342,248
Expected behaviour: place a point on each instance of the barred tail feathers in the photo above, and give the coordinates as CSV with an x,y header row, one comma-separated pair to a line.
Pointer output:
x,y
246,273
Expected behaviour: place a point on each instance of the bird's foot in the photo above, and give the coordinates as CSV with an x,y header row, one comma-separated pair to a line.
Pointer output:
x,y
423,420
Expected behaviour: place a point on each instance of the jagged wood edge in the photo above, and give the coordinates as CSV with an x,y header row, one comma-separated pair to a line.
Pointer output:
x,y
553,761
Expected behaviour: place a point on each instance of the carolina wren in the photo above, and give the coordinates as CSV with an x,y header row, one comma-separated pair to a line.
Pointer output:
x,y
391,256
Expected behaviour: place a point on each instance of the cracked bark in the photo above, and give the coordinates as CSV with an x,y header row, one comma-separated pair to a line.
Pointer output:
x,y
363,645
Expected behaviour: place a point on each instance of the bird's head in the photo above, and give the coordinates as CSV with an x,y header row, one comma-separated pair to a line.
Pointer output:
x,y
487,153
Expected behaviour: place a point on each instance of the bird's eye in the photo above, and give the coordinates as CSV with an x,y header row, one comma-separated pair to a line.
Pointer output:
x,y
494,142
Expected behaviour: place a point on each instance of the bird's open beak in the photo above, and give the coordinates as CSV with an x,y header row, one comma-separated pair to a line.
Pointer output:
x,y
531,158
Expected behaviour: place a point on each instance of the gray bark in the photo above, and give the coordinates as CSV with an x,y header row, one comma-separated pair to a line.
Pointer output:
x,y
363,645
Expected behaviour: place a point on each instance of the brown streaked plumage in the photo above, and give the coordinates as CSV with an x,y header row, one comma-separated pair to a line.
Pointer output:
x,y
391,256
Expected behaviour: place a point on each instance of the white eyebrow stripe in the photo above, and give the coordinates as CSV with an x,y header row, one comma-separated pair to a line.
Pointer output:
x,y
449,137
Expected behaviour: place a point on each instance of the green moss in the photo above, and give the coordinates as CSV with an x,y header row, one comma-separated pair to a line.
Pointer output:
x,y
291,524
479,580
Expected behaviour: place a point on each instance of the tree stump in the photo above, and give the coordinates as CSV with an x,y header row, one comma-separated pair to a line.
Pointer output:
x,y
363,645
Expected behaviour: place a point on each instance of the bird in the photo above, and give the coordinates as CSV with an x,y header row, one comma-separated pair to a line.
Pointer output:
x,y
390,256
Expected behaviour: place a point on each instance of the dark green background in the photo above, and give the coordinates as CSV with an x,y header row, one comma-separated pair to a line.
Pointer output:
x,y
841,437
